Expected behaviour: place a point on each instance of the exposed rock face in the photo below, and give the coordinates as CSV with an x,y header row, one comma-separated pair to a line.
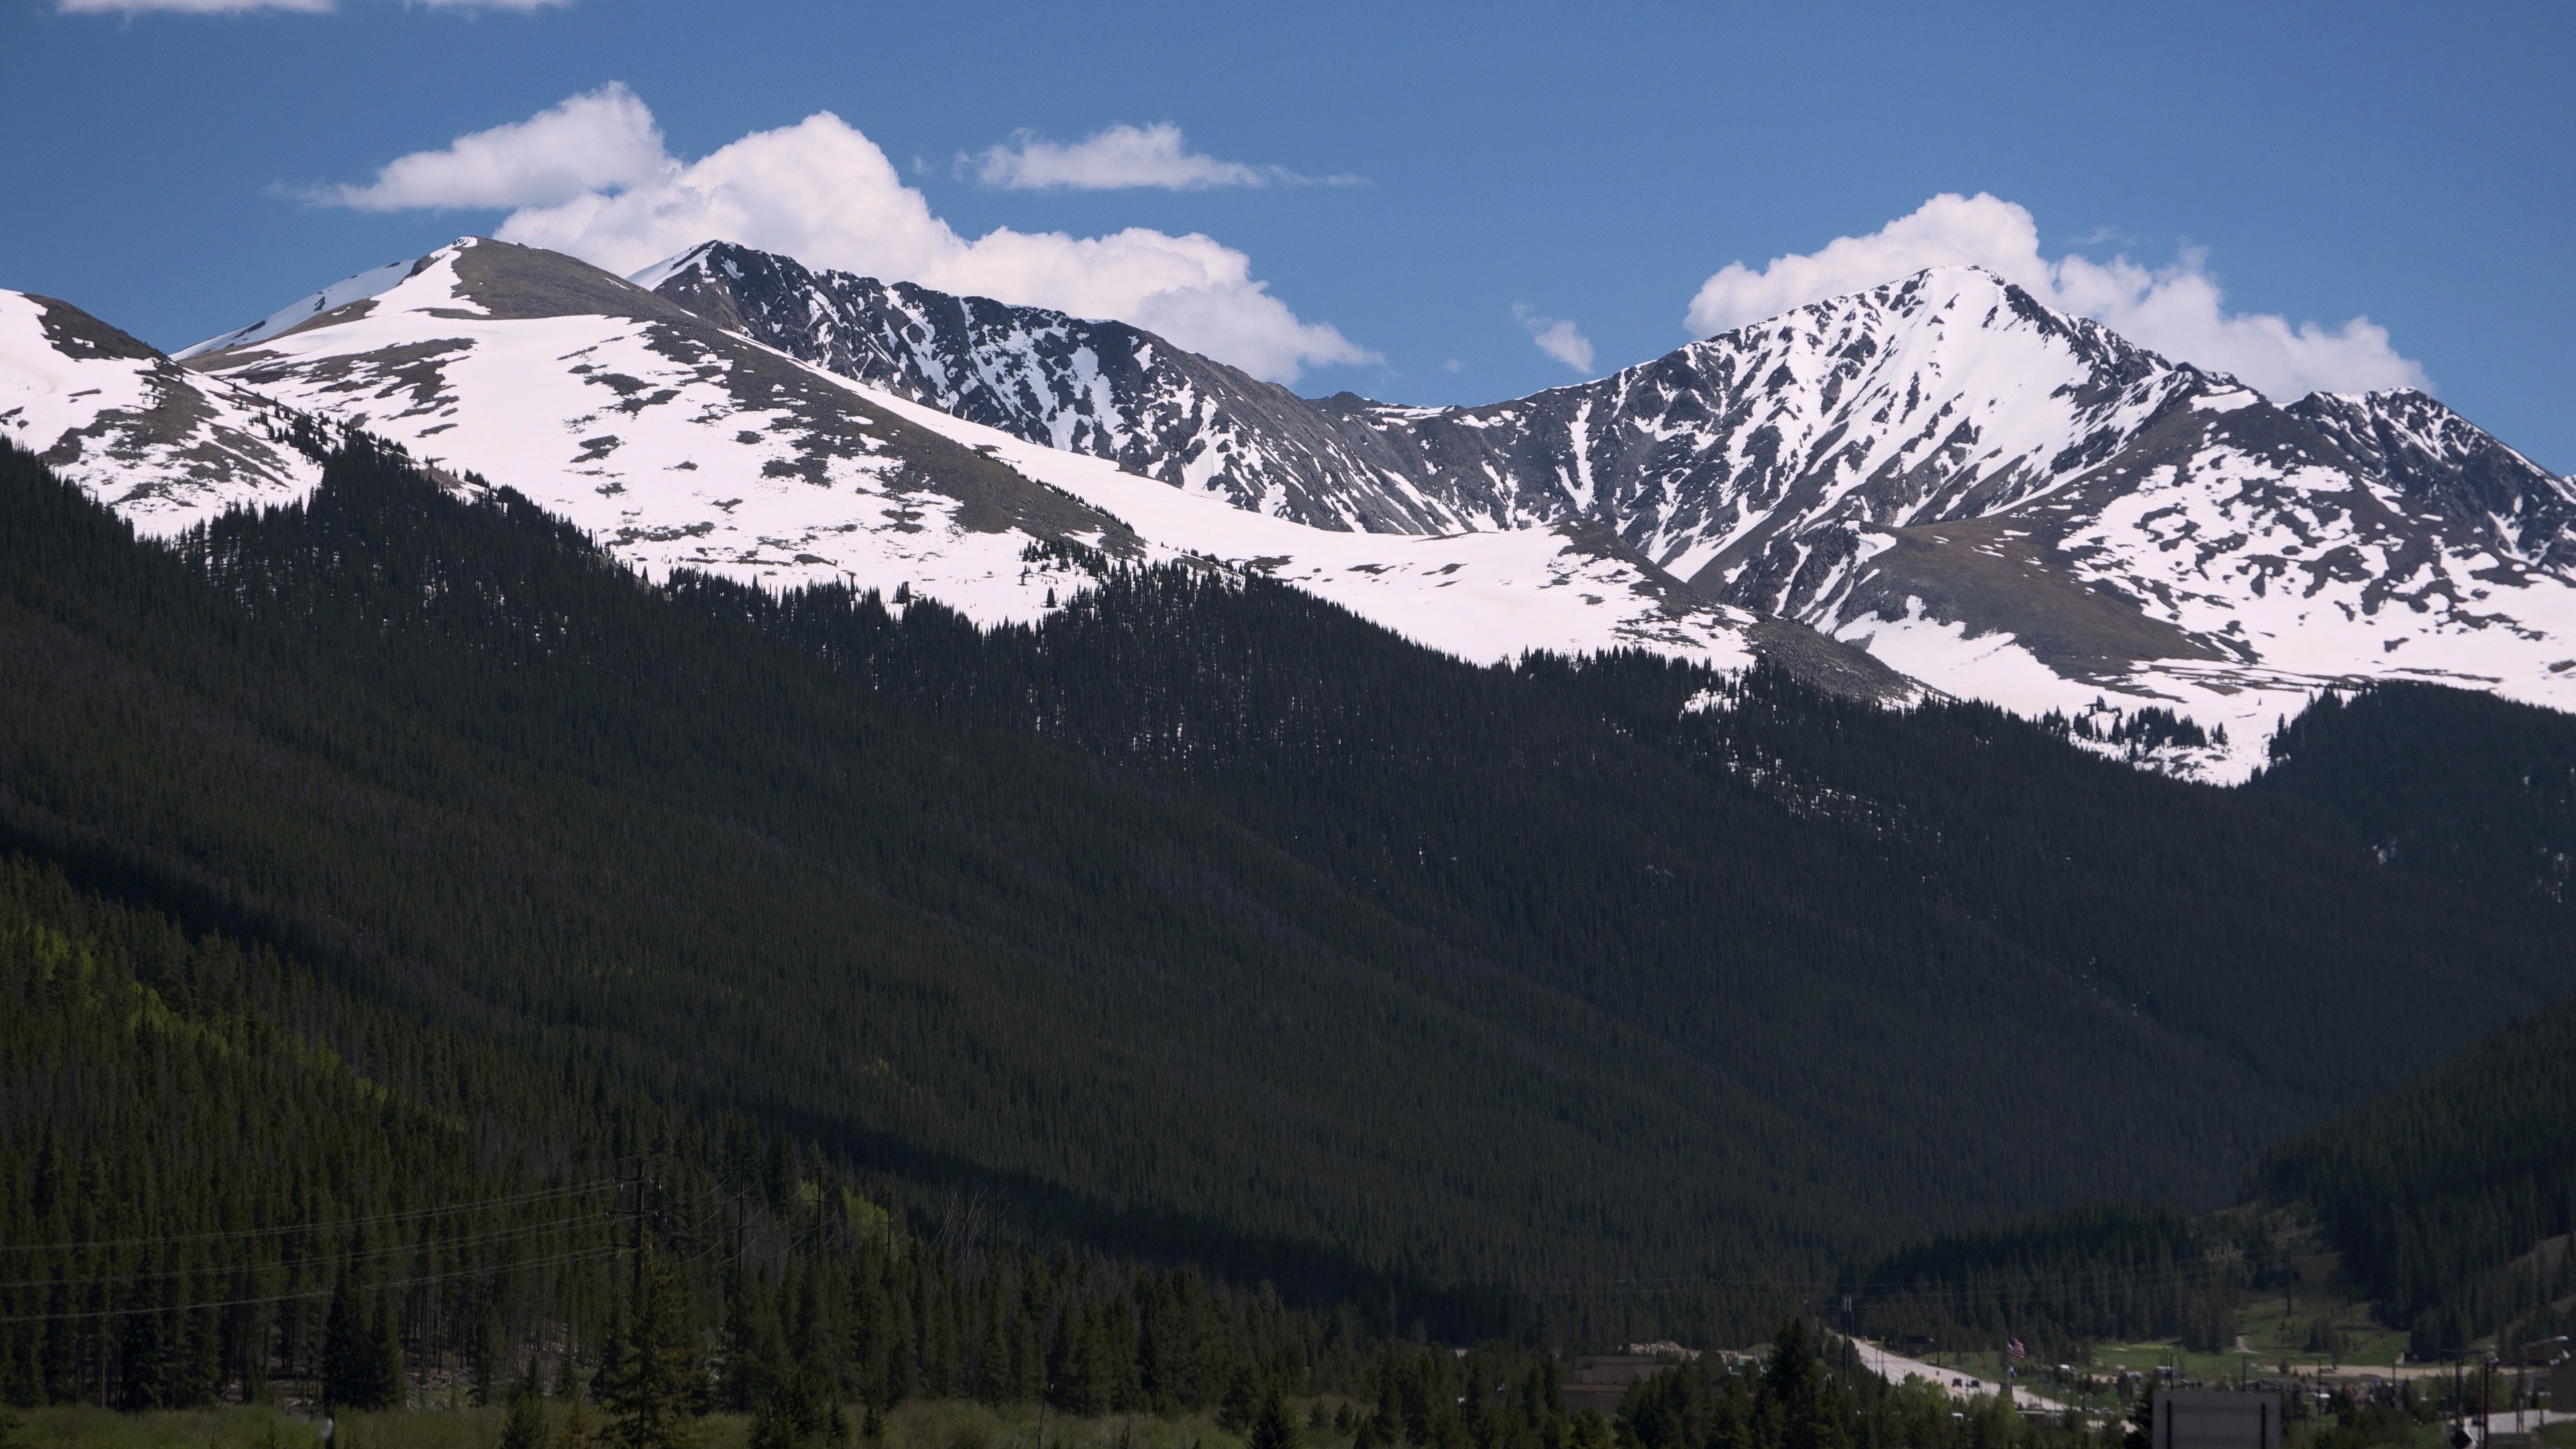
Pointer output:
x,y
1988,497
678,442
1994,497
1103,389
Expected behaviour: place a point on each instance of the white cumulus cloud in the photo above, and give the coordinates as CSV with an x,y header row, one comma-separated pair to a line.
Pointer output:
x,y
1121,156
598,139
825,194
1558,338
2178,310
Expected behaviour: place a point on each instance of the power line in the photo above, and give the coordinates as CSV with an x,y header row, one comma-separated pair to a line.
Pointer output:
x,y
573,1257
416,1213
498,1235
2052,1287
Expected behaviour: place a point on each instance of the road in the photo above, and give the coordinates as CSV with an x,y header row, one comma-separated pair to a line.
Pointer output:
x,y
1893,1367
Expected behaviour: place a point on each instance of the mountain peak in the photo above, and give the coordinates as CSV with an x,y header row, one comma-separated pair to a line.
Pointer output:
x,y
1989,495
678,262
168,449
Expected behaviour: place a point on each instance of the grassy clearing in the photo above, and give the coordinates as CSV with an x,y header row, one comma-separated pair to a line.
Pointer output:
x,y
2279,1331
916,1425
2273,1337
77,1427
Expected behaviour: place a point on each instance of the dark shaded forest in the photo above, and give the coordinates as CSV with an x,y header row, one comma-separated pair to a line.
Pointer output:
x,y
2451,1198
1203,930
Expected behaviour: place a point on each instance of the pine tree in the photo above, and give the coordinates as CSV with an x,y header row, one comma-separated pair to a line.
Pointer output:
x,y
347,1375
526,1426
2142,1417
773,1424
657,1374
1793,1380
1271,1426
575,1432
487,1355
1242,1399
384,1363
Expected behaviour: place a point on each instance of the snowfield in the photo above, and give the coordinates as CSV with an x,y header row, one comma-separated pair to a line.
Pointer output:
x,y
166,449
648,443
2001,502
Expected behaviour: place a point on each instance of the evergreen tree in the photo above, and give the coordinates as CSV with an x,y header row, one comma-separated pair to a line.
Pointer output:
x,y
383,1380
1242,1401
774,1423
1793,1380
348,1357
653,1396
525,1428
1272,1428
2141,1429
575,1431
487,1355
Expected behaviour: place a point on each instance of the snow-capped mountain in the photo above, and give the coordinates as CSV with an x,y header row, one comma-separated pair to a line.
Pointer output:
x,y
166,447
679,443
1103,389
2001,500
1989,497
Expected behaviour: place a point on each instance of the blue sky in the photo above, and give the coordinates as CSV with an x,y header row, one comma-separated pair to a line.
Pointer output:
x,y
1422,203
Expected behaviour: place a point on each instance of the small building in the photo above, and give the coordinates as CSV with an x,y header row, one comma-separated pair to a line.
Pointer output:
x,y
2217,1419
1600,1381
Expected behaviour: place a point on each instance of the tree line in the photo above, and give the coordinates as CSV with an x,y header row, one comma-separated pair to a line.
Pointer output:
x,y
1203,924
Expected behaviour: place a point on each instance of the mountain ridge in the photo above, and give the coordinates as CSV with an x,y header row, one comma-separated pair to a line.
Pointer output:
x,y
1986,498
681,444
1995,498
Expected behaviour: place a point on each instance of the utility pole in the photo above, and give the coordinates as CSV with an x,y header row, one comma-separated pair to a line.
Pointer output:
x,y
2486,1377
2459,1407
634,1183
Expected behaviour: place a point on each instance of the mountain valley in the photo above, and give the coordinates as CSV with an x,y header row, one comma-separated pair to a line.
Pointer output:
x,y
1614,863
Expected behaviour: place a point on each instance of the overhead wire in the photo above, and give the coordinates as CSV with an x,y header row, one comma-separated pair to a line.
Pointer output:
x,y
281,1229
581,1255
339,1259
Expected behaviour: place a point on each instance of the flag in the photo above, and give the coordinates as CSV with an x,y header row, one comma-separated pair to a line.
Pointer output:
x,y
2013,1347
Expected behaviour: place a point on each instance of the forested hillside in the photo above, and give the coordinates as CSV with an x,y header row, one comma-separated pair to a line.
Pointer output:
x,y
2444,1194
1208,924
2098,1272
197,1198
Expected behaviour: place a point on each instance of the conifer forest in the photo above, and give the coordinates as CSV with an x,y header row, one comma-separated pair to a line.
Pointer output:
x,y
440,963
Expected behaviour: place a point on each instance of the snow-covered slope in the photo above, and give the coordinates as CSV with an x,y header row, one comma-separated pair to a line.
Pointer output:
x,y
2000,501
681,444
2004,501
347,292
1104,389
167,448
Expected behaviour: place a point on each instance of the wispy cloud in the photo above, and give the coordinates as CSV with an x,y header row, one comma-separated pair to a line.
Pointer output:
x,y
2178,310
1120,158
291,7
591,177
1557,337
192,7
